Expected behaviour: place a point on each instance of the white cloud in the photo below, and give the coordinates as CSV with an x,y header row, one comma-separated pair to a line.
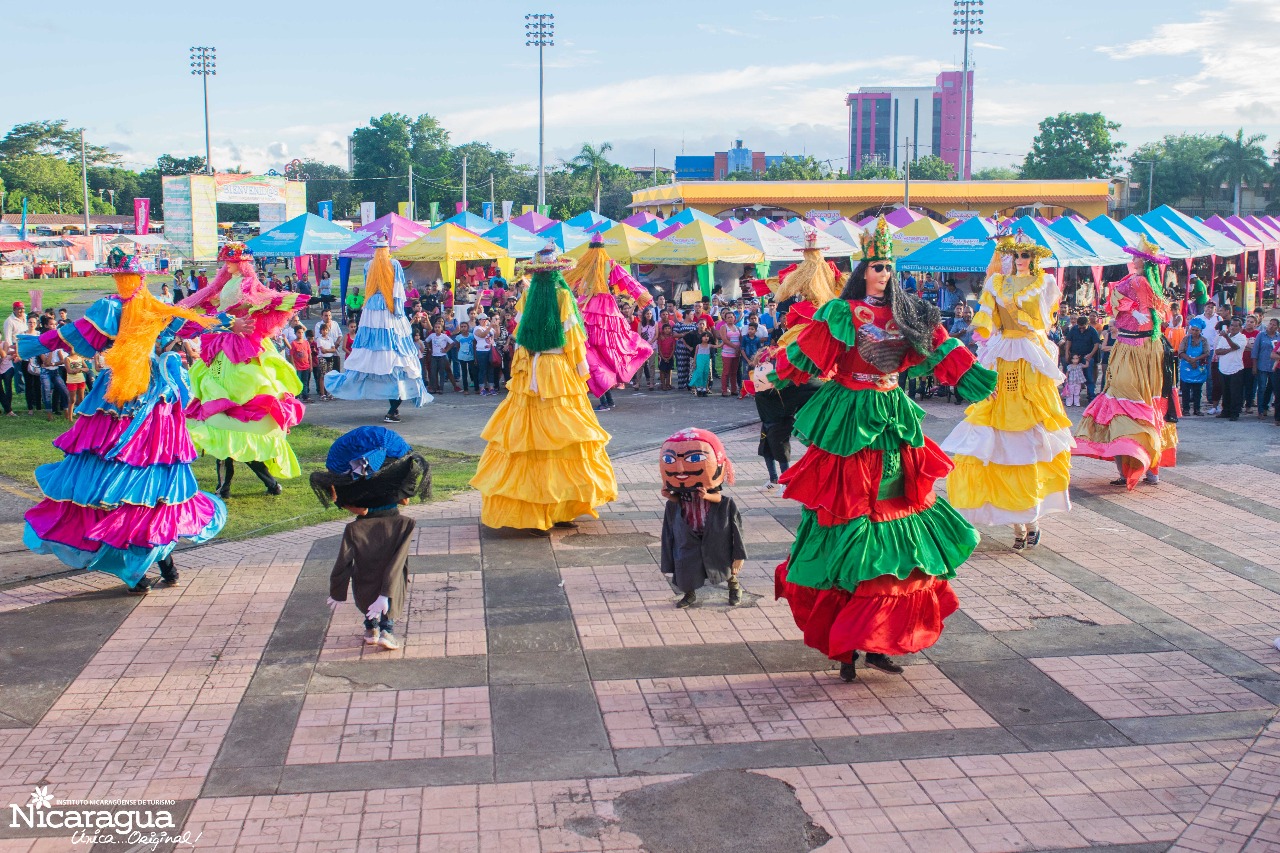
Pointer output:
x,y
711,29
985,45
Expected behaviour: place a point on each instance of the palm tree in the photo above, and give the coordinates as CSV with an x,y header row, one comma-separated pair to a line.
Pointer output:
x,y
592,160
1241,161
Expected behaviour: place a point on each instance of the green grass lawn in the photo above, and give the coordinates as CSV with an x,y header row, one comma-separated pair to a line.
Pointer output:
x,y
28,444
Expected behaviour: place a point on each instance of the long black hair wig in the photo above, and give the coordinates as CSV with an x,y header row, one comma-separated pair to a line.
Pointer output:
x,y
916,319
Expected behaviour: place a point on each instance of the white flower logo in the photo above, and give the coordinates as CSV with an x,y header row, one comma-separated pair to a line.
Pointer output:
x,y
41,798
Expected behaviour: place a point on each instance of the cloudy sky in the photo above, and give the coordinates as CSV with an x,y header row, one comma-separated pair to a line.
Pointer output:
x,y
659,76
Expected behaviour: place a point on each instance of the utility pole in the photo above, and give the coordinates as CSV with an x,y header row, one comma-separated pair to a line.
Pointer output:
x,y
84,181
906,188
540,32
967,22
464,181
204,65
491,190
412,211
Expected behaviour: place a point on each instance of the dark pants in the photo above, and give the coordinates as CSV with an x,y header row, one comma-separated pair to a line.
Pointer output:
x,y
393,407
440,374
304,376
51,385
1250,391
1216,383
32,391
1232,393
1090,379
606,399
318,371
382,624
484,366
1191,397
469,371
6,390
1265,390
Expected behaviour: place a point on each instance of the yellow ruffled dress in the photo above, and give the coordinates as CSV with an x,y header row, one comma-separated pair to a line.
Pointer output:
x,y
1013,449
545,461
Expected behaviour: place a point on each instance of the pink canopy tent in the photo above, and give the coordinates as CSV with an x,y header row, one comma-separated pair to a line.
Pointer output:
x,y
533,221
899,218
399,231
669,230
639,218
818,222
728,225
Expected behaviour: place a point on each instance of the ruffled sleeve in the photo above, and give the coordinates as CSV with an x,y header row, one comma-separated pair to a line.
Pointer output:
x,y
575,339
622,280
819,346
86,336
984,320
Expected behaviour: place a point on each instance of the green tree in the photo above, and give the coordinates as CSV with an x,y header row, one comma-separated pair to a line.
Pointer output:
x,y
167,164
1183,168
51,137
1073,146
327,182
591,161
996,173
50,184
117,186
876,172
932,168
802,168
1241,161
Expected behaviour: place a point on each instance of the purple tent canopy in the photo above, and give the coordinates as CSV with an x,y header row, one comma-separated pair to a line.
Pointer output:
x,y
639,218
400,232
533,221
728,225
669,230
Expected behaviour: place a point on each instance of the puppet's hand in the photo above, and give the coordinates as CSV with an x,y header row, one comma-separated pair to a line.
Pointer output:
x,y
668,494
737,564
712,497
380,606
241,326
334,604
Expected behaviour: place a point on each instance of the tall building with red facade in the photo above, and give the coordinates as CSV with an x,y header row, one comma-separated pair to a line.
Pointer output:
x,y
881,120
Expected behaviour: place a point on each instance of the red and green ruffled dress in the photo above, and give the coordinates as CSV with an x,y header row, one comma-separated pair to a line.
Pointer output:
x,y
875,546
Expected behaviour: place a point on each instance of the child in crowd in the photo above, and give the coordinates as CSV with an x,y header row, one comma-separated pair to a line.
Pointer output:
x,y
466,350
666,347
700,380
440,345
77,370
751,344
1074,385
484,356
300,355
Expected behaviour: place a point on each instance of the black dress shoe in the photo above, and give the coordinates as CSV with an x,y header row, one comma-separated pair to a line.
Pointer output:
x,y
848,672
882,663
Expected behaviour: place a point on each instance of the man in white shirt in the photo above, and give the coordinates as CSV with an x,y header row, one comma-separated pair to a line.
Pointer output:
x,y
15,324
1230,348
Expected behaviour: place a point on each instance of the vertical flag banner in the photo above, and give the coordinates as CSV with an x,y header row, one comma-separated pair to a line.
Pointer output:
x,y
434,211
22,229
458,207
367,214
141,215
506,210
486,210
325,209
544,209
525,208
402,208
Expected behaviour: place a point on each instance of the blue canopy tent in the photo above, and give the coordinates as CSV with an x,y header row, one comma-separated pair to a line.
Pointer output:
x,y
968,248
1113,231
602,226
475,224
585,220
519,242
652,227
566,237
1172,243
309,234
1223,246
1106,250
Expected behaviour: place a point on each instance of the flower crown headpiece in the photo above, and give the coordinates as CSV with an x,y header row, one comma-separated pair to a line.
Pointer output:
x,y
1021,242
1148,251
877,243
234,252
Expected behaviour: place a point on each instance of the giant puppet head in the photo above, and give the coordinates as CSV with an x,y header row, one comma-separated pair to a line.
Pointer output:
x,y
694,459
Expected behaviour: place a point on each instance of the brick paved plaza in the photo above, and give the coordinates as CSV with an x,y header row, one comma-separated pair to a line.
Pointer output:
x,y
1114,688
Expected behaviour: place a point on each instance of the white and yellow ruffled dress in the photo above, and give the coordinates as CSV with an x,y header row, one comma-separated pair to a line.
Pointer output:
x,y
1013,449
545,461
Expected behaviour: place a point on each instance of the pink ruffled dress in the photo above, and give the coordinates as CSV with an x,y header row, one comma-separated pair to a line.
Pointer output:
x,y
614,351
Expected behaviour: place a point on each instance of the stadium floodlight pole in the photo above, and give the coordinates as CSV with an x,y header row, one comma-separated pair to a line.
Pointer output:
x,y
967,22
204,64
540,32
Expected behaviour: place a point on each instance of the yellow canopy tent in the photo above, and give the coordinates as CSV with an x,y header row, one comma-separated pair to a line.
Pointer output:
x,y
919,233
700,245
621,242
448,243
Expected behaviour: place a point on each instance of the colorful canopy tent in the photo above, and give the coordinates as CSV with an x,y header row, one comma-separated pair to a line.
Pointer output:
x,y
1172,240
533,221
585,220
966,248
818,222
1249,228
1244,241
899,218
516,240
1263,228
565,236
604,224
652,227
1113,231
692,214
447,244
773,245
15,245
307,234
797,230
1107,252
466,219
700,245
917,235
1220,244
847,231
399,232
643,217
621,242
1066,252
